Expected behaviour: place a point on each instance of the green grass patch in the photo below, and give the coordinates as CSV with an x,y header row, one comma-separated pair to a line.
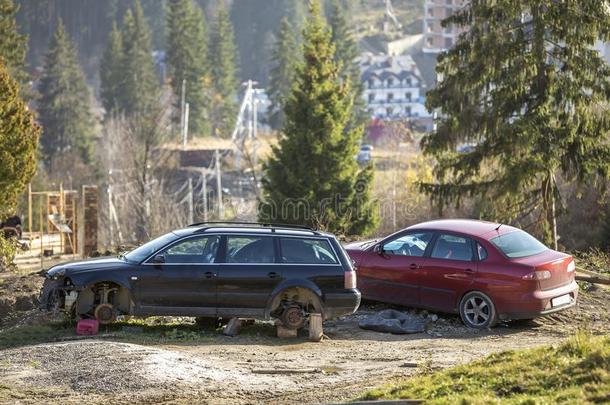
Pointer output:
x,y
578,371
152,331
33,334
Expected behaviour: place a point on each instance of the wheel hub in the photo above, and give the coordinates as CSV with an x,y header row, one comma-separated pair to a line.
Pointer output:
x,y
105,314
293,317
477,311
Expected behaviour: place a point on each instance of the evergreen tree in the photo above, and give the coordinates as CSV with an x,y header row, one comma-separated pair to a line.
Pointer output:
x,y
312,177
256,22
140,82
223,74
186,56
285,59
64,104
526,87
13,46
111,71
18,143
346,52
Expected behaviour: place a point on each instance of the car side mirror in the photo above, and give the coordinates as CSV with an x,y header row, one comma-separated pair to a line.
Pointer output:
x,y
378,249
159,258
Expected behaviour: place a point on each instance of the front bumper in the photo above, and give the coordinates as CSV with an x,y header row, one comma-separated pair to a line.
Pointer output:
x,y
57,295
340,304
539,303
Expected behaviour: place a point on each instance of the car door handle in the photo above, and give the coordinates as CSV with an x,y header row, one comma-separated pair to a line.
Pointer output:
x,y
272,274
469,271
413,266
209,274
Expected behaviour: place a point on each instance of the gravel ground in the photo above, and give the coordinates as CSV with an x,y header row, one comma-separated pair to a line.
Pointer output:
x,y
227,370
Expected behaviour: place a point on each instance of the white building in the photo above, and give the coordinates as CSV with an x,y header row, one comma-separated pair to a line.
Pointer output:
x,y
393,87
436,38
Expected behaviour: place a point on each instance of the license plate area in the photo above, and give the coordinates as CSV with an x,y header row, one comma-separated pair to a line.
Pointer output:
x,y
562,300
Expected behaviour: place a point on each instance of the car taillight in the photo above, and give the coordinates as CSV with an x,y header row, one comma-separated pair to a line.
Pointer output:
x,y
349,280
571,267
538,275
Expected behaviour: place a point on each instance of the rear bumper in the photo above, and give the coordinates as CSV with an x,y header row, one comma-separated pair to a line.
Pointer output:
x,y
343,303
539,303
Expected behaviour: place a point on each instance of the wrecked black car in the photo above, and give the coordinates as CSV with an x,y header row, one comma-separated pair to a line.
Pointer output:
x,y
212,271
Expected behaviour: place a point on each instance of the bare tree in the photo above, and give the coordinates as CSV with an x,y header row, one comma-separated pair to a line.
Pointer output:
x,y
140,202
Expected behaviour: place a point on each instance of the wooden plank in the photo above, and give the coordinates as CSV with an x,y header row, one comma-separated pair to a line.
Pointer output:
x,y
285,371
594,280
286,333
315,327
232,328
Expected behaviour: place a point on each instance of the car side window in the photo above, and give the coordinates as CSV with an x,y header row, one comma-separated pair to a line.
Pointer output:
x,y
250,249
307,251
452,247
481,252
412,244
193,250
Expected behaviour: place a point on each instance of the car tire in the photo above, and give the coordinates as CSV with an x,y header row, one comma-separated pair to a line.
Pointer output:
x,y
478,311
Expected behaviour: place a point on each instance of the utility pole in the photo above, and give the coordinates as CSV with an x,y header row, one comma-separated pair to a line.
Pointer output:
x,y
190,202
182,105
221,211
254,133
30,208
110,229
204,192
185,128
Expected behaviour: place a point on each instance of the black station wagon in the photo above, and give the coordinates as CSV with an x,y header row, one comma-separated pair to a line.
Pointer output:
x,y
213,271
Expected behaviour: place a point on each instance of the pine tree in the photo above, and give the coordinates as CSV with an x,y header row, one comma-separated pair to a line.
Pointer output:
x,y
111,71
64,104
285,59
186,56
312,177
13,46
223,74
346,52
140,93
526,87
18,143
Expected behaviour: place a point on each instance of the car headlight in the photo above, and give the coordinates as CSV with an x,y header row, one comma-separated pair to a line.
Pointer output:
x,y
571,266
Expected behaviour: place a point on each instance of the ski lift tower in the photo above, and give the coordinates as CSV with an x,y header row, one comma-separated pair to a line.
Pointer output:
x,y
389,12
247,123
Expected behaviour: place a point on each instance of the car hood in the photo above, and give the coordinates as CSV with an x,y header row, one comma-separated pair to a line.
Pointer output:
x,y
83,266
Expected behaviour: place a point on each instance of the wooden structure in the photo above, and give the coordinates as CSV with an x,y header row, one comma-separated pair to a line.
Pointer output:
x,y
59,214
90,220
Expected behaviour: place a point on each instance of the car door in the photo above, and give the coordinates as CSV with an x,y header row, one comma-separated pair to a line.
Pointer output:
x,y
184,282
391,274
247,275
448,273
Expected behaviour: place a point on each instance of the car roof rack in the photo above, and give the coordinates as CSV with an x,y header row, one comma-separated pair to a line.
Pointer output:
x,y
214,224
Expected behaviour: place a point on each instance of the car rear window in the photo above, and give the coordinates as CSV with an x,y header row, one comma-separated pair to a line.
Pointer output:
x,y
452,247
307,251
518,244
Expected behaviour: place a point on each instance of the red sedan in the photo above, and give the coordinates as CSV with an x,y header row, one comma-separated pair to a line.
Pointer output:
x,y
484,271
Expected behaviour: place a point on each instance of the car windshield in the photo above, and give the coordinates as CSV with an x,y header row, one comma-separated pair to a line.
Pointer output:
x,y
518,244
147,249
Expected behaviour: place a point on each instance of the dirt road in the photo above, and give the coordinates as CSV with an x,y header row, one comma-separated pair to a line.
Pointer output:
x,y
224,370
